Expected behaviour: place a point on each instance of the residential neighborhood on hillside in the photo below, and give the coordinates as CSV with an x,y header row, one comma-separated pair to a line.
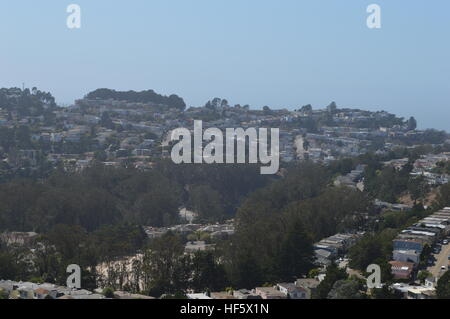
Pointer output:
x,y
357,187
99,128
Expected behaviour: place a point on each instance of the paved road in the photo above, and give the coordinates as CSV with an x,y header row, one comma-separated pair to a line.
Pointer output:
x,y
299,144
441,260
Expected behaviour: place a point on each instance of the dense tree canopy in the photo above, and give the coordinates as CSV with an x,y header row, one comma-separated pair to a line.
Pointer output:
x,y
443,286
148,96
27,102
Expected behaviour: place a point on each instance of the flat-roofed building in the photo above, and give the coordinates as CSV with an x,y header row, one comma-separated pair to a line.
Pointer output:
x,y
402,270
407,256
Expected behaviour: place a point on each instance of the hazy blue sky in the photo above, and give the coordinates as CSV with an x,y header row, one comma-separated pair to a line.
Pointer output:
x,y
281,53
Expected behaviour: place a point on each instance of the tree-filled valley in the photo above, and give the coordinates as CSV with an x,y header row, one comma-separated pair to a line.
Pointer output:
x,y
96,216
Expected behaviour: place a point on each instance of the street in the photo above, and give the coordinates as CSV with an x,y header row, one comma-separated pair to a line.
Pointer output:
x,y
441,260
